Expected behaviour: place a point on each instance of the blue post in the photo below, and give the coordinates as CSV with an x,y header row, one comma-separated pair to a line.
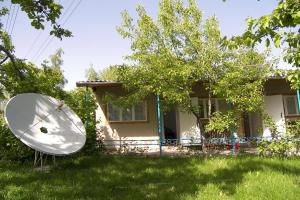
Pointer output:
x,y
159,124
232,141
232,135
298,99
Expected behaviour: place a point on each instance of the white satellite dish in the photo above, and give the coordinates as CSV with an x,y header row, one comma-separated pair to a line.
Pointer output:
x,y
45,124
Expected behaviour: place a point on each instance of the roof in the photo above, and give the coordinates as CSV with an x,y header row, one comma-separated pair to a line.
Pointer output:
x,y
100,83
95,83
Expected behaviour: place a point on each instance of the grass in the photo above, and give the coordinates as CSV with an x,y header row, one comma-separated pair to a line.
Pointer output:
x,y
178,178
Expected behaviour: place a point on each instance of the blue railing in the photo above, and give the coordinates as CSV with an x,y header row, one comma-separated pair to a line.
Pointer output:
x,y
197,141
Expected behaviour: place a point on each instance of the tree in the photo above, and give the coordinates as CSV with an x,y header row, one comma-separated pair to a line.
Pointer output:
x,y
109,73
84,105
91,73
48,79
38,12
170,55
241,84
282,28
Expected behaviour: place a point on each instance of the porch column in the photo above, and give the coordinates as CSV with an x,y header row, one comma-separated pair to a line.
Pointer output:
x,y
298,99
159,124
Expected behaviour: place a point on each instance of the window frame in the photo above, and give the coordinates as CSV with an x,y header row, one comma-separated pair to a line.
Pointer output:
x,y
286,108
132,114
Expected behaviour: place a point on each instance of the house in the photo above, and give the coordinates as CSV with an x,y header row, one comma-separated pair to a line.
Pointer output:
x,y
139,124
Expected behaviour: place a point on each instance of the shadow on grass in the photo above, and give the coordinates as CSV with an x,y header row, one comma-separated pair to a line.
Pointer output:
x,y
120,177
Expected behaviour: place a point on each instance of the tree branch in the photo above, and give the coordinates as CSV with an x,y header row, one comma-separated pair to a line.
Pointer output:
x,y
13,60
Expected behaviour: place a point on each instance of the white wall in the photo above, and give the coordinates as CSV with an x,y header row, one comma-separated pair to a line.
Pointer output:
x,y
275,109
188,127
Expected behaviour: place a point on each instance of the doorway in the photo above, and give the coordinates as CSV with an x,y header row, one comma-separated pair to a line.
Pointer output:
x,y
170,125
252,124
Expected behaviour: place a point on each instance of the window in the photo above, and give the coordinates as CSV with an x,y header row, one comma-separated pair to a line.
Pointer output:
x,y
290,105
216,105
134,113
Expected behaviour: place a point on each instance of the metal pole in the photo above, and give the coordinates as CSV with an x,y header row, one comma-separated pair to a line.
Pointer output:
x,y
232,135
232,141
298,100
159,124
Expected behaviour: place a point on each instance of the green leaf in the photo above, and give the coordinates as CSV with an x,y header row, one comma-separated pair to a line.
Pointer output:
x,y
277,38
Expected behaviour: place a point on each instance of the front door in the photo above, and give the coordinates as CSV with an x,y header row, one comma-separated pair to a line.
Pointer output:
x,y
170,128
247,125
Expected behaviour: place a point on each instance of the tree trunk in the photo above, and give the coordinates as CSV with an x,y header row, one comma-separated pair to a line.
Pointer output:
x,y
202,137
209,101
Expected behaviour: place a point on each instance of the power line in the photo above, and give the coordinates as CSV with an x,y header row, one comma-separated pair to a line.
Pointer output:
x,y
8,16
68,17
11,18
16,15
41,31
49,41
33,43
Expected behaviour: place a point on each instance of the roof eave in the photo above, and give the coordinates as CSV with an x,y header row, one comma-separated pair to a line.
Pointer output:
x,y
96,84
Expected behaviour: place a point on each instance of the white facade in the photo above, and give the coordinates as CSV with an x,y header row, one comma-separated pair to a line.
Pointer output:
x,y
275,109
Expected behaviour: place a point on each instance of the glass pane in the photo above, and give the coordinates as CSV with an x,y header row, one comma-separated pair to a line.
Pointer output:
x,y
140,111
126,114
291,106
113,112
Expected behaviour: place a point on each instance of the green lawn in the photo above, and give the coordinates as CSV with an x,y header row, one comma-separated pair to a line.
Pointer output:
x,y
120,177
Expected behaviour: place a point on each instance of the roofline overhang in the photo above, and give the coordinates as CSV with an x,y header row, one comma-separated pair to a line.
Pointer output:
x,y
94,84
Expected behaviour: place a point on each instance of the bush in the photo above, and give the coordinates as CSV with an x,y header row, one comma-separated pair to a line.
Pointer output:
x,y
293,131
274,147
278,145
84,105
12,148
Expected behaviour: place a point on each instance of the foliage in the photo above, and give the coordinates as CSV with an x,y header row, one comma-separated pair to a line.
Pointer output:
x,y
40,12
163,178
293,132
293,128
84,105
279,144
10,147
48,79
293,76
222,122
282,27
169,54
109,73
270,124
176,51
91,74
273,147
242,83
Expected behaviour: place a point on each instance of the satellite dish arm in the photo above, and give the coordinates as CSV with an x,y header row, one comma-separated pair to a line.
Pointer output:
x,y
60,105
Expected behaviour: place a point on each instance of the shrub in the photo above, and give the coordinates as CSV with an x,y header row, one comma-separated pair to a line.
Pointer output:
x,y
12,148
274,147
83,103
278,144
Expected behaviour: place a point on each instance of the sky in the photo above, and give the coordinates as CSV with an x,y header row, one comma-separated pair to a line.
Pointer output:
x,y
95,39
